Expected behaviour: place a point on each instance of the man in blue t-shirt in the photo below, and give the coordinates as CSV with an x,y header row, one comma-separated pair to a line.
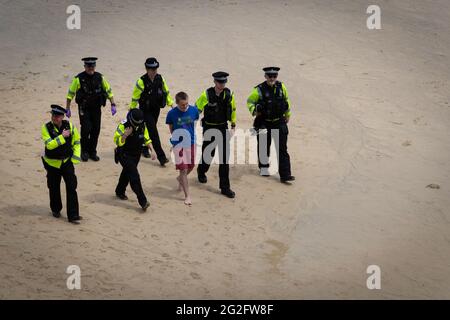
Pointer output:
x,y
181,121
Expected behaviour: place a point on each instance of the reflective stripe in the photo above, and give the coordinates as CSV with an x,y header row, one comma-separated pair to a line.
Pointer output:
x,y
120,131
77,142
259,92
117,140
76,158
57,140
48,141
71,92
134,100
138,86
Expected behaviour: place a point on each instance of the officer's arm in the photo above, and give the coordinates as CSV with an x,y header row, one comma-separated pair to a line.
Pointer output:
x,y
287,114
252,100
76,147
50,143
165,88
74,86
233,110
107,87
201,102
138,88
120,131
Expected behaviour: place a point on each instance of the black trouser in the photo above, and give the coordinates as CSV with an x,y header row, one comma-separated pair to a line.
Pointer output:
x,y
67,172
224,154
130,174
90,124
151,121
277,130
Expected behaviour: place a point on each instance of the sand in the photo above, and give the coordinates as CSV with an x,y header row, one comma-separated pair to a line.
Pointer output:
x,y
368,134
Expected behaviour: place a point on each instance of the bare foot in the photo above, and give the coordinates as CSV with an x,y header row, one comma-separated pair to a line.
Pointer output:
x,y
188,201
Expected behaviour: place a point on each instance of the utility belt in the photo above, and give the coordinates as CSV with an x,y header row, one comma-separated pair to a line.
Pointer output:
x,y
91,101
206,124
119,153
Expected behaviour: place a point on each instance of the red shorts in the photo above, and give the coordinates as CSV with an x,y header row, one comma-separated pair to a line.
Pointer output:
x,y
184,157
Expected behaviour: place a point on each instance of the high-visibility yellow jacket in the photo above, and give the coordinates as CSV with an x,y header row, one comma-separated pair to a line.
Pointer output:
x,y
60,140
202,101
255,97
139,87
121,130
75,86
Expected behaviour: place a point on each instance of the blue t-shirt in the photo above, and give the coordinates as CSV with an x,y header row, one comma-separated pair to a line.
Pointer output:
x,y
183,124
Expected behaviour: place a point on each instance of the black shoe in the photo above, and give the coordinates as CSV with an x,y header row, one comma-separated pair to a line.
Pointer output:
x,y
76,220
84,156
56,214
145,206
287,179
163,162
94,157
228,192
146,153
122,196
201,177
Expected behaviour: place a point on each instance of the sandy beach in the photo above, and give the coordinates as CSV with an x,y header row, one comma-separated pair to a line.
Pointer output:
x,y
369,134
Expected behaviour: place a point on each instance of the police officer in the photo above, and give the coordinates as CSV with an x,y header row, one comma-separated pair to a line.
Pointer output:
x,y
219,107
130,136
90,90
62,150
269,102
151,93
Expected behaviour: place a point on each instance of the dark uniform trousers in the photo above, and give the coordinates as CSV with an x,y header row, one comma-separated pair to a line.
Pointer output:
x,y
67,172
280,138
90,124
130,174
224,155
151,121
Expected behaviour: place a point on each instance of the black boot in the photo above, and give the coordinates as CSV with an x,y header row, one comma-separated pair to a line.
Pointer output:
x,y
163,161
84,156
122,196
228,193
201,176
287,179
94,156
146,153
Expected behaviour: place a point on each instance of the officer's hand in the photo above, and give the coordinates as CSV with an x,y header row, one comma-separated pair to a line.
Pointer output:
x,y
66,133
287,119
258,113
128,131
113,109
68,113
153,156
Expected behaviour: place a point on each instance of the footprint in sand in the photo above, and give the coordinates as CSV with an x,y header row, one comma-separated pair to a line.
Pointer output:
x,y
406,143
195,276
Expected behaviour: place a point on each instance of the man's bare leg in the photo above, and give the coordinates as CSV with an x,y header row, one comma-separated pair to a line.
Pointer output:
x,y
185,186
179,187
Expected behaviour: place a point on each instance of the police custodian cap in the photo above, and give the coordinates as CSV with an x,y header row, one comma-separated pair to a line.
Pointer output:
x,y
135,116
220,76
151,63
89,61
271,70
57,110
